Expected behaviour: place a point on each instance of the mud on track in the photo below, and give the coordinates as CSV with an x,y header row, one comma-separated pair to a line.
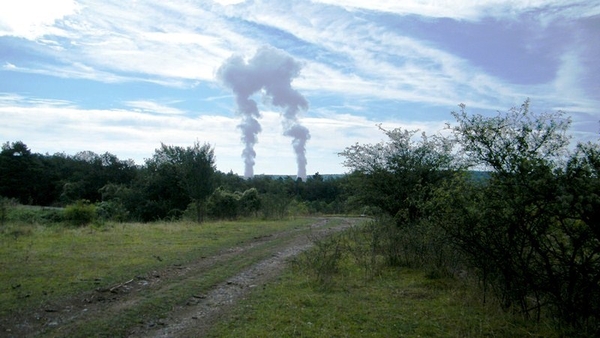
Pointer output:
x,y
191,317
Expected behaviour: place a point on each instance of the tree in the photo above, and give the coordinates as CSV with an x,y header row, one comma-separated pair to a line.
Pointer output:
x,y
532,229
83,175
399,178
197,170
175,175
317,188
19,173
513,142
250,202
399,175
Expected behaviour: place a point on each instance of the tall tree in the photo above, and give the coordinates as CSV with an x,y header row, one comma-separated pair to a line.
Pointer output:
x,y
196,171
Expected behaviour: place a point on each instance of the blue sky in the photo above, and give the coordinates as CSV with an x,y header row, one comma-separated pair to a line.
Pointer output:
x,y
124,76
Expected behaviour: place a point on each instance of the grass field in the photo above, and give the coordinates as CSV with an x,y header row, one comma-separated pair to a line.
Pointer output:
x,y
399,303
39,264
44,264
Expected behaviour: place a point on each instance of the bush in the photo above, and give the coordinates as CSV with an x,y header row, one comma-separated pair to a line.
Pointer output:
x,y
323,261
81,213
11,211
223,204
529,227
4,202
531,231
112,210
297,208
51,215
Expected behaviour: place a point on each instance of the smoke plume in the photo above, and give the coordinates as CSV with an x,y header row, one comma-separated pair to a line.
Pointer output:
x,y
272,71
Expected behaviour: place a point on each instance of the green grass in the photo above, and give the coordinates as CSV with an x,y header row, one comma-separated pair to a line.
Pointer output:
x,y
399,303
158,304
394,302
26,214
41,264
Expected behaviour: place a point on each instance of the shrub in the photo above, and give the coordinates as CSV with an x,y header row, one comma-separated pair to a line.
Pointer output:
x,y
223,204
81,213
112,210
323,261
531,230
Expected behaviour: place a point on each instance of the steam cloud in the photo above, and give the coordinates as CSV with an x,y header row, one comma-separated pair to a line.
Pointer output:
x,y
272,71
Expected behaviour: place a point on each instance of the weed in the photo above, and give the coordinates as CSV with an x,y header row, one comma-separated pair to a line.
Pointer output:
x,y
322,263
18,230
362,248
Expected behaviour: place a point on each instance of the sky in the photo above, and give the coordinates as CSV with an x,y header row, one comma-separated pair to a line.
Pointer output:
x,y
125,76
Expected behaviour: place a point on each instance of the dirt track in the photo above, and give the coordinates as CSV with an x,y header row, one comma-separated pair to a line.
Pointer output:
x,y
192,318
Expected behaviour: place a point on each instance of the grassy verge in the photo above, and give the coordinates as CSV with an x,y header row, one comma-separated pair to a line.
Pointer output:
x,y
386,302
42,264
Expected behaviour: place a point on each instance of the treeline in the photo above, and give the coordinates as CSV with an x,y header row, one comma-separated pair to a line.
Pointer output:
x,y
175,182
529,231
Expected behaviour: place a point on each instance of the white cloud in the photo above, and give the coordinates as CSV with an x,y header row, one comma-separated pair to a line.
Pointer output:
x,y
568,75
33,19
9,66
11,99
177,43
48,127
384,64
228,2
166,40
78,70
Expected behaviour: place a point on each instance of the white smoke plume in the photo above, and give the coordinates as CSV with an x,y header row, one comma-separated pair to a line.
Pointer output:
x,y
272,71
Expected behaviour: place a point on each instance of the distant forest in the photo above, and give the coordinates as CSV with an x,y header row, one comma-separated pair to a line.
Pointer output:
x,y
160,188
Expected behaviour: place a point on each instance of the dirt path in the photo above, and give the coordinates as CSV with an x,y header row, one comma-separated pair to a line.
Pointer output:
x,y
195,316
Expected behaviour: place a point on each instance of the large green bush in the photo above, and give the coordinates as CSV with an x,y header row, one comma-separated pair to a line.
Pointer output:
x,y
398,178
81,213
528,228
